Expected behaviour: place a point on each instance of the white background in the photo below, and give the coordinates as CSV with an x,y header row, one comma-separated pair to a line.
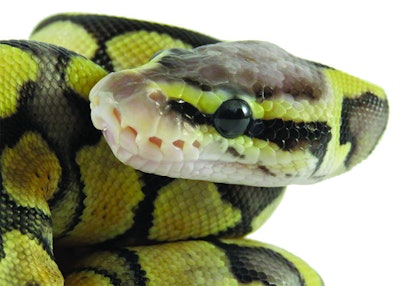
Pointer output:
x,y
347,227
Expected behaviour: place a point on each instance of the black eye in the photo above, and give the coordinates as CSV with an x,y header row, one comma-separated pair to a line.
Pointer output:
x,y
232,118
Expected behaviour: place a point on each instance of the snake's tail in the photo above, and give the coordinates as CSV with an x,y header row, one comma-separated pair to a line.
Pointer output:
x,y
212,262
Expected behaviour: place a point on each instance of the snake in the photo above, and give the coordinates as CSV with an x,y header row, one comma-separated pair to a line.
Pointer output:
x,y
137,153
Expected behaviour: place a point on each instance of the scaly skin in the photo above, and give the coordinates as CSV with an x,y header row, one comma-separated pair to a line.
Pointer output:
x,y
69,208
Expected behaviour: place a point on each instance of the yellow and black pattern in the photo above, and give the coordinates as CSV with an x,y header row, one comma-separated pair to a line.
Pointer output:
x,y
69,208
104,39
194,263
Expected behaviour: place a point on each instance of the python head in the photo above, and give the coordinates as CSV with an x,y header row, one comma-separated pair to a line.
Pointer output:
x,y
239,112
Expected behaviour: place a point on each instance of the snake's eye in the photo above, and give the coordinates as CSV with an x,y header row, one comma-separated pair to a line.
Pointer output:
x,y
232,118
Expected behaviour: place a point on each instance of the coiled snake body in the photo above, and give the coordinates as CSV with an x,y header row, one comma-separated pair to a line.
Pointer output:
x,y
209,134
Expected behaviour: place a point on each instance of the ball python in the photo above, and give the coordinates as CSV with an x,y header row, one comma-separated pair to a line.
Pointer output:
x,y
136,153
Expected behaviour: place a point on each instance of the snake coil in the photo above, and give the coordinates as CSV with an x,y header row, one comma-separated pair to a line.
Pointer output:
x,y
134,153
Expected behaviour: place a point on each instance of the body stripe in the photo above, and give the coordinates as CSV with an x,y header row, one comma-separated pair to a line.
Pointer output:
x,y
251,201
30,221
139,232
246,272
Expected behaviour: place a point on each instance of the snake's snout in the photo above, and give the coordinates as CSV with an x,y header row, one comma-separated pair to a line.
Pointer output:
x,y
125,100
136,119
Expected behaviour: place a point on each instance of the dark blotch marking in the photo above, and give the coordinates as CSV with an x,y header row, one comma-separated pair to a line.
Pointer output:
x,y
251,201
144,213
132,260
363,119
143,217
258,264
